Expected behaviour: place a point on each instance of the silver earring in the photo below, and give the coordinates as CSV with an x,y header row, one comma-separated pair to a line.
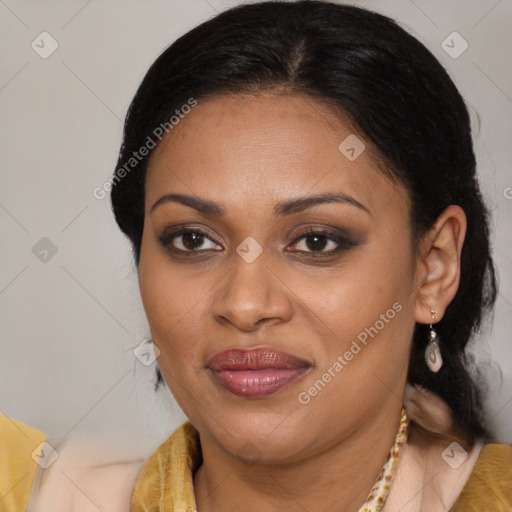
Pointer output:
x,y
433,356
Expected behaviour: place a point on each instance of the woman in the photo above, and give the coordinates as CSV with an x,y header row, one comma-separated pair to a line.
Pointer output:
x,y
298,183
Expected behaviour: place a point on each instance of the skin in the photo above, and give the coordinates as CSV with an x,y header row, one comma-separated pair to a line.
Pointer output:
x,y
75,482
247,153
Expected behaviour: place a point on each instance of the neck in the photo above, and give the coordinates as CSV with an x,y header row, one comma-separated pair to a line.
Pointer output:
x,y
338,479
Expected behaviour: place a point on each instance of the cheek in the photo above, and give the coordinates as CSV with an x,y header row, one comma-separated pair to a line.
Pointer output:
x,y
366,309
163,296
171,331
354,294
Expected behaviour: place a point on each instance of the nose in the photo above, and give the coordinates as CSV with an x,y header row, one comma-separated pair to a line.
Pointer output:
x,y
252,295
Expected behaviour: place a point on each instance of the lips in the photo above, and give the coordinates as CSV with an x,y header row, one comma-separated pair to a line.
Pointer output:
x,y
256,373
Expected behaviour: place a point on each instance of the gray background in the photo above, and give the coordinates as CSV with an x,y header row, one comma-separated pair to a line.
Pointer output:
x,y
69,323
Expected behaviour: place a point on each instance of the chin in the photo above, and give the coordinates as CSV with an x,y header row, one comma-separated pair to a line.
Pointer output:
x,y
268,435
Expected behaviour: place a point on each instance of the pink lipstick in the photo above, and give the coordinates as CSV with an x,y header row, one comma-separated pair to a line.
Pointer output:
x,y
256,373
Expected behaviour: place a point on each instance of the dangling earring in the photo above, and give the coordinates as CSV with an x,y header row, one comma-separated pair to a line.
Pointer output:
x,y
433,356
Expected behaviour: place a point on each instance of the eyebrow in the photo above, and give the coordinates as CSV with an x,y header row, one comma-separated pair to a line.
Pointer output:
x,y
283,208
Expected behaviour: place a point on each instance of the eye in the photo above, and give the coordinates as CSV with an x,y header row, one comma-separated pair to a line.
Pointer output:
x,y
313,241
189,240
321,242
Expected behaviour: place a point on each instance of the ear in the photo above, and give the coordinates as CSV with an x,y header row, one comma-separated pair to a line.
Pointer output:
x,y
438,270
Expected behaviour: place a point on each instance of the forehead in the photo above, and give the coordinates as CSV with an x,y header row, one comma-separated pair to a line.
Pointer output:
x,y
258,148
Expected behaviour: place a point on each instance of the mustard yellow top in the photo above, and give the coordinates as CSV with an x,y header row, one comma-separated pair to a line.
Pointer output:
x,y
165,482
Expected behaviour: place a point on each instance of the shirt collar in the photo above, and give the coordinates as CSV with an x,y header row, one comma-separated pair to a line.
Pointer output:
x,y
166,481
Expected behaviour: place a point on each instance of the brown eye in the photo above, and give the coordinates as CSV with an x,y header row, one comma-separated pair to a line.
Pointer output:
x,y
192,241
317,243
188,240
321,242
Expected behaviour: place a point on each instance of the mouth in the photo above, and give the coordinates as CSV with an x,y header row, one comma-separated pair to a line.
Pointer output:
x,y
256,373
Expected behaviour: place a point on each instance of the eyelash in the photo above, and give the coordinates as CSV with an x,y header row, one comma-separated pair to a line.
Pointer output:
x,y
343,242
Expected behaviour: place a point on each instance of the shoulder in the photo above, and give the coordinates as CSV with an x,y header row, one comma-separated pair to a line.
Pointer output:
x,y
489,486
38,476
495,459
71,484
439,473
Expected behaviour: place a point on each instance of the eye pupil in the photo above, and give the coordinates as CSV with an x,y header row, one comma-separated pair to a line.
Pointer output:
x,y
192,240
319,242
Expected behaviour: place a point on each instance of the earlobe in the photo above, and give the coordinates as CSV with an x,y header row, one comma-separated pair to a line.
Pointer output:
x,y
439,268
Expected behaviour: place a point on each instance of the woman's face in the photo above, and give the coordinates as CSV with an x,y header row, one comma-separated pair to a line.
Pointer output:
x,y
246,275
